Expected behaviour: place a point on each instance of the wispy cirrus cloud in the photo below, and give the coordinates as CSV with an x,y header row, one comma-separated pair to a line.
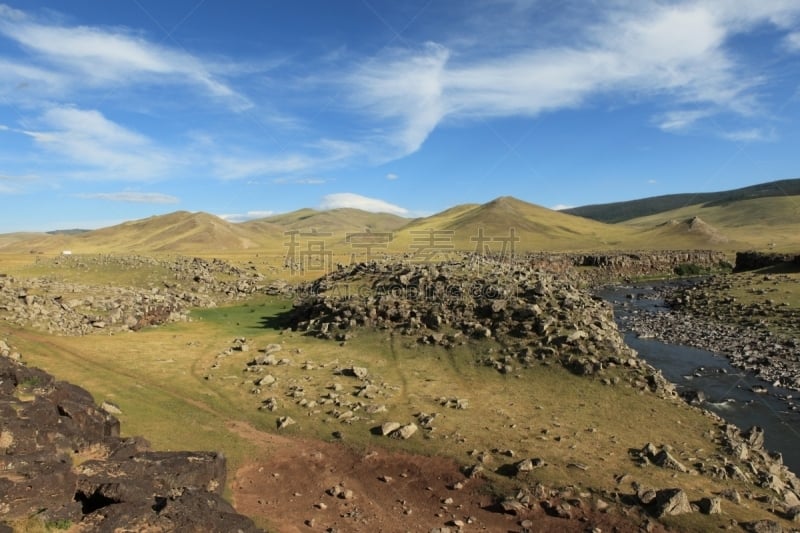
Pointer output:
x,y
132,197
675,53
676,121
300,181
303,159
10,184
72,57
792,42
357,201
749,135
96,147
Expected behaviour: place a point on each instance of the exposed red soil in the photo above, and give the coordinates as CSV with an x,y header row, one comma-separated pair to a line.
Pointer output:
x,y
289,484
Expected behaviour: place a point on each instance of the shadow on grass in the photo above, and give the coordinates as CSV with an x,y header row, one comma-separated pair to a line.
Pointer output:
x,y
507,470
278,321
780,268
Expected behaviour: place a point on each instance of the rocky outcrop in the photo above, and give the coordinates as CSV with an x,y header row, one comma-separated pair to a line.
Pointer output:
x,y
62,461
754,260
647,263
533,315
70,308
604,267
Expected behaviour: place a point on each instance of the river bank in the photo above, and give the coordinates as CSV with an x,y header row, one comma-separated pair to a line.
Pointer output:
x,y
755,331
677,346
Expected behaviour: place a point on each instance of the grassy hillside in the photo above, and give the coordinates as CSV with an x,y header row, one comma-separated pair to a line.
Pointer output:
x,y
30,241
622,211
176,232
337,221
536,227
770,222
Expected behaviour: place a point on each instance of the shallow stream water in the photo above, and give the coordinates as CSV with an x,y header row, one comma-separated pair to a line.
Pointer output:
x,y
728,390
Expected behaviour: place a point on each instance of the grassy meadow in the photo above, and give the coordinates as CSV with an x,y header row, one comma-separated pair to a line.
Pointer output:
x,y
182,386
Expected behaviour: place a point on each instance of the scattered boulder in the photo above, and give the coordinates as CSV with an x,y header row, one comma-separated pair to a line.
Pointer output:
x,y
356,371
527,465
710,505
404,432
285,421
536,315
671,502
762,526
389,427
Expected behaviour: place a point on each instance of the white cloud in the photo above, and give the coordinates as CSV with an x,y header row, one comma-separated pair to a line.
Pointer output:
x,y
406,91
792,42
250,215
8,12
134,197
300,181
749,135
89,139
391,176
227,167
320,154
94,56
356,201
676,52
675,121
652,182
11,184
561,207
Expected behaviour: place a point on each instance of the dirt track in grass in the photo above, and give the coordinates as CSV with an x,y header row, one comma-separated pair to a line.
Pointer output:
x,y
287,486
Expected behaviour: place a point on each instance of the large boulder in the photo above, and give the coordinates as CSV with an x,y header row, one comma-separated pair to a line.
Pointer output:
x,y
671,502
124,487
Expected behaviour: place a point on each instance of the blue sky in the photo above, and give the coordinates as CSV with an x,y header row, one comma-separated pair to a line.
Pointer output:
x,y
121,109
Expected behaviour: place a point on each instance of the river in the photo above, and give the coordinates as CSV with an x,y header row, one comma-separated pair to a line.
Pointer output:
x,y
728,391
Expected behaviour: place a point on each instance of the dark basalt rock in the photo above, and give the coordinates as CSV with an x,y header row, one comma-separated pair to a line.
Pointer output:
x,y
124,486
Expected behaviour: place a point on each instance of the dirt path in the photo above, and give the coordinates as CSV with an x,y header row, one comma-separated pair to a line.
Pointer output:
x,y
289,485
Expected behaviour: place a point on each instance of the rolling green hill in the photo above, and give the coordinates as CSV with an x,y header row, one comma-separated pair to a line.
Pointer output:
x,y
764,216
536,227
336,221
768,222
622,211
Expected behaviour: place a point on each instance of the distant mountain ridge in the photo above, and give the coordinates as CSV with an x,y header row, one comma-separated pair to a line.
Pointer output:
x,y
622,211
336,220
760,216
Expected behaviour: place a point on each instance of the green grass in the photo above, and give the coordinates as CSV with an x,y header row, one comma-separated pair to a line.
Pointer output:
x,y
250,318
164,381
98,270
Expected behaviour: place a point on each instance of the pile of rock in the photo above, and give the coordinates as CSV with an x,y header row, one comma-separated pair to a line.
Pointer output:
x,y
181,283
744,460
758,466
611,266
63,461
534,315
76,309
